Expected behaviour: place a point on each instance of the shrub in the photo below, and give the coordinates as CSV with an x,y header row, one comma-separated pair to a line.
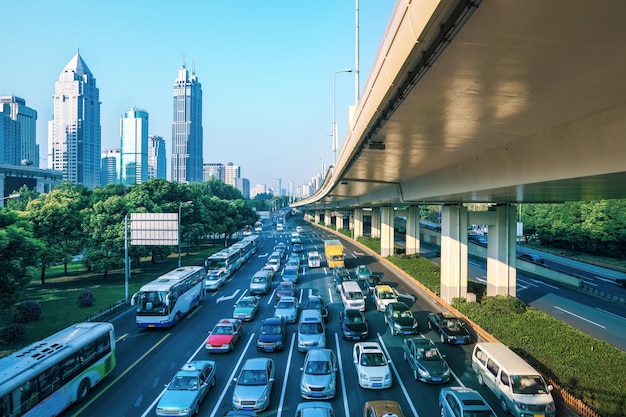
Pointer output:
x,y
85,298
13,333
27,312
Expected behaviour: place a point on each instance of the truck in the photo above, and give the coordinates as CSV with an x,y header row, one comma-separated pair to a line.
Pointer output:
x,y
334,251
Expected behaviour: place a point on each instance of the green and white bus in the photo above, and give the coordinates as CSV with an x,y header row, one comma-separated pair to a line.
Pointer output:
x,y
45,378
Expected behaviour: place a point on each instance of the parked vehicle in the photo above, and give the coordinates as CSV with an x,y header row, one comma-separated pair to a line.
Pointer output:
x,y
372,366
452,329
425,360
319,374
272,335
462,401
353,324
400,319
246,308
223,336
188,388
254,385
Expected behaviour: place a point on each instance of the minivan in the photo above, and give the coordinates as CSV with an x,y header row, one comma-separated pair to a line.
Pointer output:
x,y
352,295
311,330
520,389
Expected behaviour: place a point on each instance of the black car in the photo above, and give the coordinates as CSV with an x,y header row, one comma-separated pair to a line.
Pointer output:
x,y
452,329
372,281
315,302
353,324
340,274
400,319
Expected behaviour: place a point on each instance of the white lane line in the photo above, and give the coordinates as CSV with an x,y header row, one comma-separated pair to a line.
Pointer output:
x,y
343,379
612,281
580,317
279,412
545,284
611,313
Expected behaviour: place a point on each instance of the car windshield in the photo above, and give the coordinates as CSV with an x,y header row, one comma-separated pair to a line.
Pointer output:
x,y
252,377
317,368
429,354
285,304
387,295
402,314
355,295
258,279
270,329
245,303
184,383
311,328
477,413
452,324
373,359
355,319
528,384
223,330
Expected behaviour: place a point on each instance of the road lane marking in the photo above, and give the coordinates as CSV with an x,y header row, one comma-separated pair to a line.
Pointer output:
x,y
580,317
279,412
611,313
342,378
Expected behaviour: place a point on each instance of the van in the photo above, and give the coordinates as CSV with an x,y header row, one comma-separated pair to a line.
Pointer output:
x,y
520,389
352,295
311,330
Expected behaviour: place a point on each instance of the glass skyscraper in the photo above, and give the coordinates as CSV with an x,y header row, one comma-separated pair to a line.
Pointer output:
x,y
157,159
187,128
134,140
74,135
20,148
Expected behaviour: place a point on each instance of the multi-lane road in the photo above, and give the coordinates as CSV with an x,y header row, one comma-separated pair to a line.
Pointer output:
x,y
148,358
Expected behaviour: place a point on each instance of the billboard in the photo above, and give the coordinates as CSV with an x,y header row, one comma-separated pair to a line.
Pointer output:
x,y
154,229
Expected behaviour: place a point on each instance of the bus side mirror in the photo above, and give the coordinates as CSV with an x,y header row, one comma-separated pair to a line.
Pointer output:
x,y
133,299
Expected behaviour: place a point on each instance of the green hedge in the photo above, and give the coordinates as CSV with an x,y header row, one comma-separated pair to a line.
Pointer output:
x,y
589,369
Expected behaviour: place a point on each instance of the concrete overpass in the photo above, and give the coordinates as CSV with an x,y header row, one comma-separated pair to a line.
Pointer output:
x,y
495,101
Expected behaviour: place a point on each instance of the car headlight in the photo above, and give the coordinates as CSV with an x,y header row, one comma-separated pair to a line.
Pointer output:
x,y
186,410
388,377
446,372
363,376
279,343
423,372
521,406
415,325
396,325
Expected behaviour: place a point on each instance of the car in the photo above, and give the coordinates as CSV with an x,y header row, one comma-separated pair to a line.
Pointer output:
x,y
462,401
319,375
316,302
297,247
299,229
285,288
261,282
224,336
246,308
314,260
371,282
287,309
340,274
530,257
353,324
254,385
315,409
362,272
240,413
425,360
311,331
282,248
294,259
383,295
372,366
290,273
452,329
185,392
400,319
383,408
274,264
215,279
477,239
272,335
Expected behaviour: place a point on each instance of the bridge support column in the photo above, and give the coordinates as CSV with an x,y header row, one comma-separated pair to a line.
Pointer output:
x,y
327,218
386,231
453,252
412,243
375,232
501,253
357,230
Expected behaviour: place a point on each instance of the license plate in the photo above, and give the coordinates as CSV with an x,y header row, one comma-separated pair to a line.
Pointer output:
x,y
407,332
540,415
437,379
377,384
316,395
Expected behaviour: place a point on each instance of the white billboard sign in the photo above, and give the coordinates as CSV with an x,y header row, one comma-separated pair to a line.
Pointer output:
x,y
154,229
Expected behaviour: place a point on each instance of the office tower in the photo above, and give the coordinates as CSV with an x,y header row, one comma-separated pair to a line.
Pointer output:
x,y
231,173
213,169
74,136
157,159
187,128
243,185
110,166
134,140
22,149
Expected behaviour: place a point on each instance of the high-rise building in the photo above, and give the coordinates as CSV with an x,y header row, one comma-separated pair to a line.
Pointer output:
x,y
157,159
74,134
110,166
20,147
231,174
187,128
134,140
213,169
243,185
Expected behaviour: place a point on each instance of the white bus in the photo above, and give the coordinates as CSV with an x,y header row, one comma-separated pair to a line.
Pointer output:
x,y
164,301
245,246
45,378
228,260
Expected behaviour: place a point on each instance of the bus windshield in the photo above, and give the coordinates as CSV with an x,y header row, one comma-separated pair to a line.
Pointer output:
x,y
152,303
219,263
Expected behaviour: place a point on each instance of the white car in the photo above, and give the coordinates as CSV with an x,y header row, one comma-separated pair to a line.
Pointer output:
x,y
372,366
215,279
383,295
314,260
274,264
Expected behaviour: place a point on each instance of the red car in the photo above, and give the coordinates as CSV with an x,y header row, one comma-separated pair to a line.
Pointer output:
x,y
286,289
224,336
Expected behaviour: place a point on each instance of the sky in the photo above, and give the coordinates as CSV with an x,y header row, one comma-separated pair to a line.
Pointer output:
x,y
266,68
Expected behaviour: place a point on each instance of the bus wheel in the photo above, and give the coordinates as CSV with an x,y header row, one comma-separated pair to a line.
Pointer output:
x,y
83,390
176,319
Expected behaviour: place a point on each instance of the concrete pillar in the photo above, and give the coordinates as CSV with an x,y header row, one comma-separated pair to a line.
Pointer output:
x,y
357,230
453,252
375,233
501,259
412,243
317,216
327,219
386,231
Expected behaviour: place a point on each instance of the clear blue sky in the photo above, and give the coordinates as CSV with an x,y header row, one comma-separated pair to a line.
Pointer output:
x,y
266,69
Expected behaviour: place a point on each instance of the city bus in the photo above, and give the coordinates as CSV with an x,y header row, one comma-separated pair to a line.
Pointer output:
x,y
228,260
258,226
245,246
46,377
256,242
164,301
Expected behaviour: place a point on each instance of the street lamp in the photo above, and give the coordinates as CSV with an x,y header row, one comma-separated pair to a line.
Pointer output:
x,y
323,161
335,116
180,207
10,197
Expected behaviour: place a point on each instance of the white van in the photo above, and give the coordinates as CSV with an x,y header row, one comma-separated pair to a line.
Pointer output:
x,y
311,330
352,295
520,389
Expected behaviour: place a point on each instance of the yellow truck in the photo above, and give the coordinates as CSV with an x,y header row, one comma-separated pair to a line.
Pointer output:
x,y
334,251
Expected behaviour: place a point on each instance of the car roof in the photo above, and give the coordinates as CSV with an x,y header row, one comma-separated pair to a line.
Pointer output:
x,y
193,368
287,298
421,341
369,346
256,363
383,287
318,354
286,284
228,322
385,408
272,320
398,305
470,398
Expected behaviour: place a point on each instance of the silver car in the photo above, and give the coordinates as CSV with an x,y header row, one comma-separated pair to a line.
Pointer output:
x,y
287,308
319,375
254,385
315,409
187,389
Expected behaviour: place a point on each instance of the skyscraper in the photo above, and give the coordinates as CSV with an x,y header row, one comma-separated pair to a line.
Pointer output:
x,y
187,128
213,169
134,140
231,174
74,135
110,166
23,146
157,159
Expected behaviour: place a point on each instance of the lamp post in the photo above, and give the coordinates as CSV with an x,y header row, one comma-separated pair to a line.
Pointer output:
x,y
10,197
323,161
180,207
335,143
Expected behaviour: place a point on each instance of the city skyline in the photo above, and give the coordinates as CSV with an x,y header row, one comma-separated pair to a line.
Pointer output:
x,y
266,72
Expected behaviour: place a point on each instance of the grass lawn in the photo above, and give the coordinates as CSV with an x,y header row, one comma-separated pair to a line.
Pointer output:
x,y
59,295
